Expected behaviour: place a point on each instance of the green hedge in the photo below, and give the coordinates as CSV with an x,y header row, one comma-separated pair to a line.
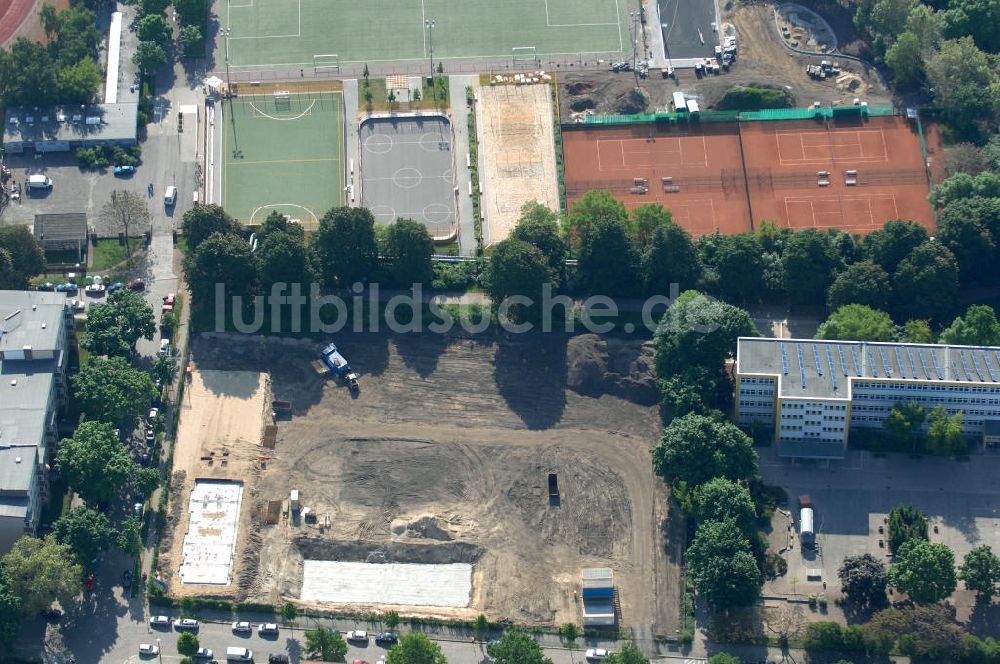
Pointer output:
x,y
754,99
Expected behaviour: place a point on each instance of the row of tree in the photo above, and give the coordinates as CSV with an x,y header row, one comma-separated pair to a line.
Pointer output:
x,y
156,33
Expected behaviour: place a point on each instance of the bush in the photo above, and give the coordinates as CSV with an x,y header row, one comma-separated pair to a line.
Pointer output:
x,y
754,99
103,156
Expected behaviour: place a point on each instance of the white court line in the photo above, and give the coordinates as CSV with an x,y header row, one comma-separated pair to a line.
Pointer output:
x,y
233,5
423,24
271,117
422,176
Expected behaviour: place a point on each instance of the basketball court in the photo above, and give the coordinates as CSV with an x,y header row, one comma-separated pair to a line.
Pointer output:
x,y
316,34
407,171
283,152
693,170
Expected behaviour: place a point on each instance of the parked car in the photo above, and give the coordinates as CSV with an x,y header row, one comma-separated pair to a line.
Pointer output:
x,y
277,658
117,286
169,299
186,623
148,649
388,638
267,628
124,169
77,306
69,288
153,412
164,346
596,654
242,627
94,289
357,635
204,653
39,181
136,284
159,621
47,286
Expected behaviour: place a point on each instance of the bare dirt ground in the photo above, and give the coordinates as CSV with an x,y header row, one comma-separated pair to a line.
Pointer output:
x,y
218,438
444,455
762,62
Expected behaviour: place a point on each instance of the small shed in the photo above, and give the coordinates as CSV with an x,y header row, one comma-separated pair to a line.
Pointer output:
x,y
64,231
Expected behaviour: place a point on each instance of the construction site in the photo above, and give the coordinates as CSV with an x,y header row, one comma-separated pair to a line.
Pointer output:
x,y
465,475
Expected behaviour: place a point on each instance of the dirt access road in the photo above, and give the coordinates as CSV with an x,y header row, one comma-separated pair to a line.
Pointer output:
x,y
444,456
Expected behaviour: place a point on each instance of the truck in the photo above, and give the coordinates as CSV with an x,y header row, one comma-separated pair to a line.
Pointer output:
x,y
807,532
553,486
336,362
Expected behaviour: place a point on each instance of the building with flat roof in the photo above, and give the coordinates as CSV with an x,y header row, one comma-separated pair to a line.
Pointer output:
x,y
34,349
812,392
63,128
62,231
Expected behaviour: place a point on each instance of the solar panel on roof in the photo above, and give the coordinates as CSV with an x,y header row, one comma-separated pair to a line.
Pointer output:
x,y
784,359
843,362
989,366
913,364
833,371
802,368
819,367
965,365
857,363
954,371
937,365
975,364
885,362
923,363
871,362
899,363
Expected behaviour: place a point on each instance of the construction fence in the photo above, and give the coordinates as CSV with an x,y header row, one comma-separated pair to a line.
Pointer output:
x,y
770,114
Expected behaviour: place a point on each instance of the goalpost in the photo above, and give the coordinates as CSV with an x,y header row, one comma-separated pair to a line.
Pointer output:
x,y
524,56
283,100
326,62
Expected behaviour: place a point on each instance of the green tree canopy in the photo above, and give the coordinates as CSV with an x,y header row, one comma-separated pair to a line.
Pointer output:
x,y
86,532
40,571
864,282
203,221
154,28
9,279
695,449
517,647
283,258
722,567
645,219
114,326
95,462
539,227
130,536
192,41
26,254
345,247
824,635
607,257
963,80
221,259
906,523
720,500
978,18
629,654
740,267
963,186
10,612
925,571
724,658
416,648
905,421
978,327
149,56
906,60
926,282
917,332
972,244
863,579
79,81
408,250
30,77
927,25
111,390
857,322
888,17
187,644
325,644
670,258
889,245
809,263
699,331
592,207
191,13
517,268
923,632
981,572
944,433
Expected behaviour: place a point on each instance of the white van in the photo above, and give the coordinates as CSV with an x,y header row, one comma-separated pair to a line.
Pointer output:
x,y
236,654
39,181
170,197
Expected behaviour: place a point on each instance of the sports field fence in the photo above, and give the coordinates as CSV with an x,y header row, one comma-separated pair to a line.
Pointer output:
x,y
766,115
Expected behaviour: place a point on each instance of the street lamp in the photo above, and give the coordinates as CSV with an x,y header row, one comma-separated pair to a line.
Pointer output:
x,y
225,33
429,24
159,650
635,45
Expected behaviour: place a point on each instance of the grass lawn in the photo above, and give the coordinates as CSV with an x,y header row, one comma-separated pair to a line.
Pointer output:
x,y
108,253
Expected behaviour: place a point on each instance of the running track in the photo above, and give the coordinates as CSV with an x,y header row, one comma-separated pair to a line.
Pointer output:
x,y
12,15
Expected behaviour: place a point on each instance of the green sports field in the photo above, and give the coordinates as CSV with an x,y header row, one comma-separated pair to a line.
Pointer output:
x,y
283,155
291,32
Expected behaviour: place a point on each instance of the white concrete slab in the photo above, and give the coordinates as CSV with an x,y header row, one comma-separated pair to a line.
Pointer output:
x,y
389,583
210,542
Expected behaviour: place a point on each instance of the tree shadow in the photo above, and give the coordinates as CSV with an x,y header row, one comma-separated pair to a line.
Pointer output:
x,y
984,619
530,374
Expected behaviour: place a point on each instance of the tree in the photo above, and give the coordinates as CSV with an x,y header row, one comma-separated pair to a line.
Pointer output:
x,y
992,152
40,571
154,28
906,60
126,212
225,260
147,480
289,612
926,282
283,258
808,262
517,647
325,644
966,187
722,567
9,279
905,421
10,612
593,206
965,158
978,18
149,56
164,366
539,227
606,257
981,572
823,636
905,523
569,631
925,571
94,462
645,219
129,538
972,244
856,322
111,390
153,6
944,433
740,266
864,282
114,326
961,76
724,658
78,82
191,41
888,17
345,246
86,532
481,627
979,327
919,632
863,579
30,75
416,648
191,13
26,254
187,644
408,250
695,449
630,654
670,258
927,25
392,619
47,17
202,221
917,332
517,268
889,245
721,500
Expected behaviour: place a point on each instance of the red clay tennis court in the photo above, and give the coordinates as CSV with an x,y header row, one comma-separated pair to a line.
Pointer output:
x,y
694,171
854,174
